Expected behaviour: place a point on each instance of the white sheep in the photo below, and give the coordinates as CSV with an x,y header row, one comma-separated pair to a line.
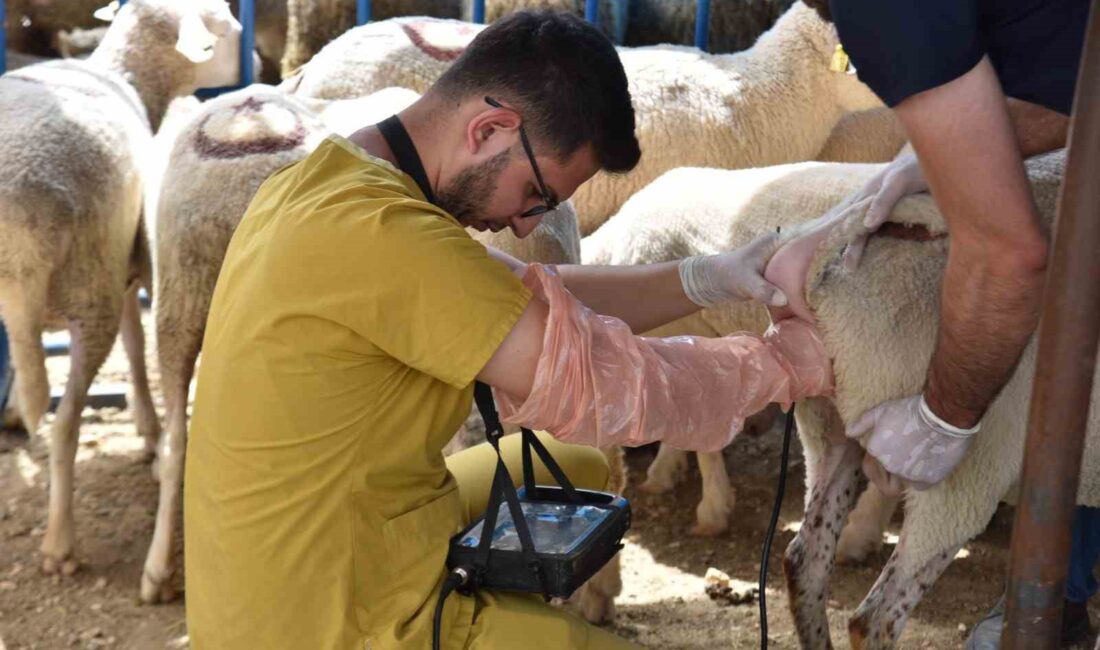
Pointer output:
x,y
777,102
75,137
879,325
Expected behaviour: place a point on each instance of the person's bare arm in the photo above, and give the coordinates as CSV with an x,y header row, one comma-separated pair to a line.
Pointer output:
x,y
964,137
644,296
1038,129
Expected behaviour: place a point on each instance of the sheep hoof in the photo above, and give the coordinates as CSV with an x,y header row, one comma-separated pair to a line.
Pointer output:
x,y
708,528
595,607
155,591
651,486
65,565
857,545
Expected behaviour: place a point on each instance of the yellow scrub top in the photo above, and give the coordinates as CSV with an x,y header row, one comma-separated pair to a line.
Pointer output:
x,y
349,320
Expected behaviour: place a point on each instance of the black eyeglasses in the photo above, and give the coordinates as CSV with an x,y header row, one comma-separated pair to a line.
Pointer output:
x,y
549,204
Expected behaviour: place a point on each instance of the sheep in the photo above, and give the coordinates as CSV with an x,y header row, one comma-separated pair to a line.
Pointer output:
x,y
314,23
874,135
777,102
78,43
218,154
734,25
33,24
879,325
75,137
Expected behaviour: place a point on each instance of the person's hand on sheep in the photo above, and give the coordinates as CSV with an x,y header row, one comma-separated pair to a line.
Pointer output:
x,y
710,280
885,190
911,443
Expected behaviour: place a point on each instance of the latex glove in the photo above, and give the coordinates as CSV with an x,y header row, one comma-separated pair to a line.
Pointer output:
x,y
911,442
898,180
710,280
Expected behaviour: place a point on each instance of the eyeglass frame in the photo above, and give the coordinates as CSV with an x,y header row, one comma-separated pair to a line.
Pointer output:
x,y
549,204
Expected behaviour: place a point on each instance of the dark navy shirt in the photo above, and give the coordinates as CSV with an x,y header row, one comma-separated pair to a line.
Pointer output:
x,y
902,47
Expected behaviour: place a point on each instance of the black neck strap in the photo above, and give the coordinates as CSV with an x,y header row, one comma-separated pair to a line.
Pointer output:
x,y
502,490
404,150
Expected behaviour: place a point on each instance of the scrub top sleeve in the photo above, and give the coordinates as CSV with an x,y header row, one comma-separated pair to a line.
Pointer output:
x,y
438,303
903,47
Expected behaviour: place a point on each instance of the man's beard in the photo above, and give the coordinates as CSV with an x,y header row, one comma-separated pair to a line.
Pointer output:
x,y
466,196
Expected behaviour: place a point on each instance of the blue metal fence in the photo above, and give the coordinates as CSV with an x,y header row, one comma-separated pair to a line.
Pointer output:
x,y
247,18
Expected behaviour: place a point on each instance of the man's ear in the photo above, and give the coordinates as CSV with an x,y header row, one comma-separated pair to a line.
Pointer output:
x,y
489,126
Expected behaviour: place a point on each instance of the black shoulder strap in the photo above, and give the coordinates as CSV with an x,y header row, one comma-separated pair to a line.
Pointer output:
x,y
402,146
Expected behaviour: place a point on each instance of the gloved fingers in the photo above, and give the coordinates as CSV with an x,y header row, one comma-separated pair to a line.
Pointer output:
x,y
887,483
893,190
763,291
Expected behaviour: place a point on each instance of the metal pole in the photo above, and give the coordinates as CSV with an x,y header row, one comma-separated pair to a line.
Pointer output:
x,y
3,36
592,11
248,40
362,12
479,11
702,24
1063,381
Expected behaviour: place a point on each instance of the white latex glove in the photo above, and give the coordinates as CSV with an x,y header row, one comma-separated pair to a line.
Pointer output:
x,y
911,443
710,280
901,178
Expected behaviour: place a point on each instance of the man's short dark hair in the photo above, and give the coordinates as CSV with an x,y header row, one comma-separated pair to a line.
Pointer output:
x,y
561,74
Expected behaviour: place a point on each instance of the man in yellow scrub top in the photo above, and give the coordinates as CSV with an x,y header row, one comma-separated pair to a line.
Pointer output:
x,y
350,320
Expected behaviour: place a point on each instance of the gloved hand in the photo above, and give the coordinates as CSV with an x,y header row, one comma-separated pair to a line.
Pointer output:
x,y
901,178
710,280
910,442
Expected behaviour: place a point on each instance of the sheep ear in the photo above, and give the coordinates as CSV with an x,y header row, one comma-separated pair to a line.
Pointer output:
x,y
108,13
195,41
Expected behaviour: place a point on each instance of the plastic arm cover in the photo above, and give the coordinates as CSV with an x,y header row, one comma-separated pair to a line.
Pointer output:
x,y
598,384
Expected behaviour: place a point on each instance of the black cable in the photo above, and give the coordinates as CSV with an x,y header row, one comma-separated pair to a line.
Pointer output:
x,y
454,580
771,529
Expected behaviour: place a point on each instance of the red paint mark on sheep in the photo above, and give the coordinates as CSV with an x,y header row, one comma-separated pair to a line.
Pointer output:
x,y
417,33
208,147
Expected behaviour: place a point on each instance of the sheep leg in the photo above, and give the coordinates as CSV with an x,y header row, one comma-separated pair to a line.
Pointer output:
x,y
595,600
863,534
178,341
713,512
133,340
881,616
666,470
91,342
809,559
23,311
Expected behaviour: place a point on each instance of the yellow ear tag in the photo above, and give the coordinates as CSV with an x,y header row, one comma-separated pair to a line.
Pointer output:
x,y
839,62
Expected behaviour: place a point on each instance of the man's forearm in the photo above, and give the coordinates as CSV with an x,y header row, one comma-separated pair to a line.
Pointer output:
x,y
644,297
965,140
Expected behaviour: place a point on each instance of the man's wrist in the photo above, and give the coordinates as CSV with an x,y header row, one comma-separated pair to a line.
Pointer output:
x,y
953,415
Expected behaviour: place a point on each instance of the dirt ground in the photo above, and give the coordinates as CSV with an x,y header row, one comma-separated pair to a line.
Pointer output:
x,y
663,604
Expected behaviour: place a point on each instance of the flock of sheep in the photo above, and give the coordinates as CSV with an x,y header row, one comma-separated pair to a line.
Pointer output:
x,y
113,177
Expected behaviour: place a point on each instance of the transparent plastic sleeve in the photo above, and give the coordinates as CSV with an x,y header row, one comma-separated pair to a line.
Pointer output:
x,y
598,384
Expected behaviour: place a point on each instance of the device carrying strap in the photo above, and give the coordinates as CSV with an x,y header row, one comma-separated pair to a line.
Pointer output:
x,y
404,150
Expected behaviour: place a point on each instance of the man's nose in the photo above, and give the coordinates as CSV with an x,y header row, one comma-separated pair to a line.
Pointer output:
x,y
523,226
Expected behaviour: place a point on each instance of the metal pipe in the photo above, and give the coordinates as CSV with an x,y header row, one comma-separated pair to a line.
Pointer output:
x,y
479,11
592,11
3,36
248,40
362,12
702,24
1063,381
